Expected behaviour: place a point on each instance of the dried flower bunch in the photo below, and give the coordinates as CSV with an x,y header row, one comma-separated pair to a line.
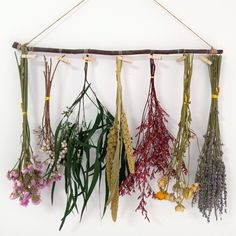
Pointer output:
x,y
153,148
82,169
44,133
27,173
211,168
177,168
118,139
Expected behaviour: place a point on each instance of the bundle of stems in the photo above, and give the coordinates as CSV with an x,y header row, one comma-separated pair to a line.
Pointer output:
x,y
211,168
26,174
82,170
153,149
177,167
44,133
119,148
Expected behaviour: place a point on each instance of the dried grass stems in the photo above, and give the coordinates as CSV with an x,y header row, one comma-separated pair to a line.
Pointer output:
x,y
82,169
153,149
177,167
119,145
212,196
44,133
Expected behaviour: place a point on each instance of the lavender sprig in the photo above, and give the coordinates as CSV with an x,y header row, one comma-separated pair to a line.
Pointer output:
x,y
212,196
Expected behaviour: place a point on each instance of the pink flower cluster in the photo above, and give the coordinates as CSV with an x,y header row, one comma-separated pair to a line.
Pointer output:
x,y
28,183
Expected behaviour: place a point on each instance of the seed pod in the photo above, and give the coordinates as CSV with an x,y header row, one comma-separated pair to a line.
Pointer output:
x,y
127,141
114,204
195,187
179,208
111,148
162,182
172,198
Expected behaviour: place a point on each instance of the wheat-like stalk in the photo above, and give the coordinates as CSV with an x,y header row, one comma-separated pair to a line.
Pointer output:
x,y
118,137
127,142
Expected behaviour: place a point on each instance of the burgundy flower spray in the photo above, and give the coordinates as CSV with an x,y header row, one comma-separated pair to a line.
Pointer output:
x,y
152,151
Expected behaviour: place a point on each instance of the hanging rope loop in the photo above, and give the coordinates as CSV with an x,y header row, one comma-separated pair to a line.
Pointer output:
x,y
213,50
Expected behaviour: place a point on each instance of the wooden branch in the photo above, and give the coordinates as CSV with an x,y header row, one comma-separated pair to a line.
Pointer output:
x,y
17,45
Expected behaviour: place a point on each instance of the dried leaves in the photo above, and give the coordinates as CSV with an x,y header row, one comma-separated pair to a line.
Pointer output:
x,y
211,169
118,138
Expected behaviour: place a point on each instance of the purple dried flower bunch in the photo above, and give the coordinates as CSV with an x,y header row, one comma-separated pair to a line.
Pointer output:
x,y
28,182
212,197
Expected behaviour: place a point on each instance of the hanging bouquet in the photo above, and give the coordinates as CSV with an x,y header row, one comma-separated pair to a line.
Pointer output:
x,y
177,169
26,175
211,168
119,149
44,133
152,151
81,139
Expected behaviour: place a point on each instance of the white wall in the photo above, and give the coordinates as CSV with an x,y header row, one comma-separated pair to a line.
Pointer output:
x,y
112,24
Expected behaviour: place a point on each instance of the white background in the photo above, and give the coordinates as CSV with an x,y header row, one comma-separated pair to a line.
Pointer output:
x,y
113,24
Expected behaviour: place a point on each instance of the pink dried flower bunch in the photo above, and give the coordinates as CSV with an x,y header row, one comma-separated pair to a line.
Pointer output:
x,y
28,182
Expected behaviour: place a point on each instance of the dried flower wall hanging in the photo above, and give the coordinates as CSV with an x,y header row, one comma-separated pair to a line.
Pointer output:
x,y
119,145
85,144
211,175
177,168
152,150
99,150
44,133
27,173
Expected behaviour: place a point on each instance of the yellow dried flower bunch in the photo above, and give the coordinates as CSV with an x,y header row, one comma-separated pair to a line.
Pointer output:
x,y
118,138
179,194
182,190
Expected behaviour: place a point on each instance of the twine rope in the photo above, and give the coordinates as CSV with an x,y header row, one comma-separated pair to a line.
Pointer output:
x,y
184,24
55,22
155,1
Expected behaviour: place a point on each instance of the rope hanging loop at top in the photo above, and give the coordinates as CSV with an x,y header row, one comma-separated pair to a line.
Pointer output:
x,y
213,50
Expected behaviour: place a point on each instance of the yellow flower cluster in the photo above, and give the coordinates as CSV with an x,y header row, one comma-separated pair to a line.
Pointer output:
x,y
179,194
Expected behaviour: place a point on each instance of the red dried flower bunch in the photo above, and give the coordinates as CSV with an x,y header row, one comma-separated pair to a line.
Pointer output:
x,y
152,151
